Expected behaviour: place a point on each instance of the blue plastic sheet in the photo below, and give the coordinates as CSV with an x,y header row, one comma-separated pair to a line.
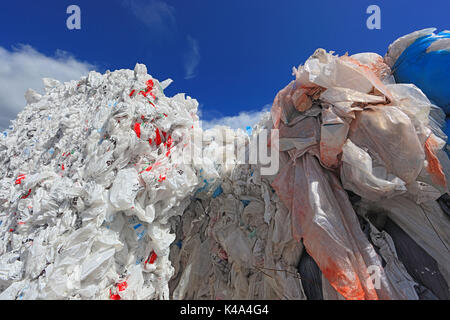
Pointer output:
x,y
430,71
217,192
245,202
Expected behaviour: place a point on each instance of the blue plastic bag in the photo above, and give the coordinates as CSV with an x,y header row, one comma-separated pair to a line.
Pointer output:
x,y
430,71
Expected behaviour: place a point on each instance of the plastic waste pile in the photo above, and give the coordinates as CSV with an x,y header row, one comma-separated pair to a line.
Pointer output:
x,y
98,201
90,173
237,244
353,211
374,138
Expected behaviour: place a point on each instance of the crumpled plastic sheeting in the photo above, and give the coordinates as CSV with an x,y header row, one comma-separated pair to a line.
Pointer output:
x,y
237,245
389,136
381,140
396,48
359,174
422,267
404,284
324,218
90,175
96,204
425,223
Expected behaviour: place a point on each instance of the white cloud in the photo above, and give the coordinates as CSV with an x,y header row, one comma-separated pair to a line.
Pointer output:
x,y
155,14
23,68
242,120
191,58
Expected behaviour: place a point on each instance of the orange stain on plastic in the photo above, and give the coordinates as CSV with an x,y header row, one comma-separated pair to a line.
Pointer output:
x,y
338,278
434,167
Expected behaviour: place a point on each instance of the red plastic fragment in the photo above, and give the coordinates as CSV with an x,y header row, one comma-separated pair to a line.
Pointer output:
x,y
161,178
132,92
150,141
152,258
20,178
148,169
11,230
113,296
148,90
169,141
62,166
158,137
223,254
29,192
137,129
122,286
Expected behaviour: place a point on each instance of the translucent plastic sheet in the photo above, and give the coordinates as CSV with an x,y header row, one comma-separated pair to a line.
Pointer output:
x,y
390,138
323,217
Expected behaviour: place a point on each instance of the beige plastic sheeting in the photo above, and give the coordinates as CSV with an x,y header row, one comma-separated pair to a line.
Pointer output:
x,y
323,217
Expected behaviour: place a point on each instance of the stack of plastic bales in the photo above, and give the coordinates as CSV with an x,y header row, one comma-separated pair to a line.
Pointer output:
x,y
111,190
354,204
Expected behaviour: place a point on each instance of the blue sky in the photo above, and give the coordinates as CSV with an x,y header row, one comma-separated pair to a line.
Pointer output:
x,y
232,56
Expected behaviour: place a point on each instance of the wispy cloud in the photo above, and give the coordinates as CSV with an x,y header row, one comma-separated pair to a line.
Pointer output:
x,y
191,58
160,19
242,120
23,68
155,14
